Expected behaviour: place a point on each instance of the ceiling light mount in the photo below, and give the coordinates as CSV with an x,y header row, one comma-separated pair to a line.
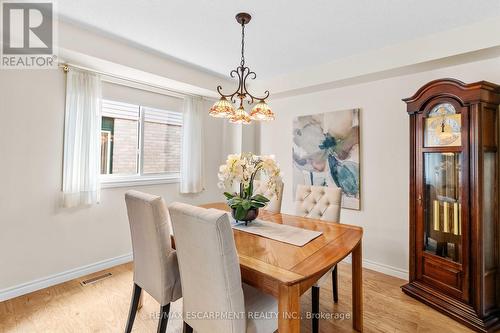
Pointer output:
x,y
224,109
243,18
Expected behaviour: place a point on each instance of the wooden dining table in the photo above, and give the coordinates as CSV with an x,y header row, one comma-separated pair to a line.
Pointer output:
x,y
287,271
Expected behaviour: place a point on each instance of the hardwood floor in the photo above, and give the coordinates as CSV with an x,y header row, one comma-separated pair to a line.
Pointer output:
x,y
103,307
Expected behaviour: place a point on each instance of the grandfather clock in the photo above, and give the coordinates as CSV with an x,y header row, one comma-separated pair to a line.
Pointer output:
x,y
454,200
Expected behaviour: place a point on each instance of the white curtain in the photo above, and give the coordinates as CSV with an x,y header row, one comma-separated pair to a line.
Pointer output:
x,y
192,146
82,136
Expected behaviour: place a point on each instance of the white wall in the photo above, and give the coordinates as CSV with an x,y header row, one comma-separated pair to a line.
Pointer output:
x,y
37,238
384,153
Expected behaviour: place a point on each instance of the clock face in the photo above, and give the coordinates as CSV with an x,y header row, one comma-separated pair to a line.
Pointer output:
x,y
443,127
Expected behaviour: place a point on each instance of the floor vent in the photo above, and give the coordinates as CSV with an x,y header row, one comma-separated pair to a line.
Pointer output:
x,y
95,279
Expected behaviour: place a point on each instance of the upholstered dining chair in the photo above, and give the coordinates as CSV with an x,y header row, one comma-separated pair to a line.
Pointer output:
x,y
155,262
211,278
274,204
323,203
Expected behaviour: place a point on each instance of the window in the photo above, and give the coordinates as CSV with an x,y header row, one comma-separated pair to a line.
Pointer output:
x,y
139,145
161,141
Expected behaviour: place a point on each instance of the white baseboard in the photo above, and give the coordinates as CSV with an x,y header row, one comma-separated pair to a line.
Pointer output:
x,y
386,269
383,268
71,274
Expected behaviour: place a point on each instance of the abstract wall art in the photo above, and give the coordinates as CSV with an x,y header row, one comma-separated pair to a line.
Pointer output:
x,y
326,152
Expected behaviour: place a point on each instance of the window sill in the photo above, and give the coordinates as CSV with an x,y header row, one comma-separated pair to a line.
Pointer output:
x,y
130,181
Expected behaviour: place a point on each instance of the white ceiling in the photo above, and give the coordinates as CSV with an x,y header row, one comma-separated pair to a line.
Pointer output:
x,y
283,37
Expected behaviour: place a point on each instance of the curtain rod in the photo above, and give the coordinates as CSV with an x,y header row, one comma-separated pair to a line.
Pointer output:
x,y
174,93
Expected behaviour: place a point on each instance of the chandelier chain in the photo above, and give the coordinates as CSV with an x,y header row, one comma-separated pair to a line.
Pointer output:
x,y
242,63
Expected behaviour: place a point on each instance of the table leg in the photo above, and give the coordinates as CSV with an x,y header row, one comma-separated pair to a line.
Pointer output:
x,y
357,288
289,309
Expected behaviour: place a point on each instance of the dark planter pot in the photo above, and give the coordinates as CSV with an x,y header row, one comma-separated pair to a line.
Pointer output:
x,y
251,215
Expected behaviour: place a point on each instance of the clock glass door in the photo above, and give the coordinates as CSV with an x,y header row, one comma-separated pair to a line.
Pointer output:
x,y
443,205
442,182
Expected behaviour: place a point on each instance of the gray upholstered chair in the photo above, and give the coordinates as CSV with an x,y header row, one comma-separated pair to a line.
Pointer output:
x,y
274,204
155,262
211,278
323,203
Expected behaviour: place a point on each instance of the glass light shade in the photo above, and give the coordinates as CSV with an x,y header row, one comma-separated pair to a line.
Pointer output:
x,y
240,117
222,109
261,111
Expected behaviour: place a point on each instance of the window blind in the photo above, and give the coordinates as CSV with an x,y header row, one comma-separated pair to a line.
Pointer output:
x,y
162,116
121,110
135,96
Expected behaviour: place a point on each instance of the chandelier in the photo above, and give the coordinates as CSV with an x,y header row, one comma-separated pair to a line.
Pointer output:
x,y
224,108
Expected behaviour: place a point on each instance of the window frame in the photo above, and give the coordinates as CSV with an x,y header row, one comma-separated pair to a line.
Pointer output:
x,y
108,151
140,178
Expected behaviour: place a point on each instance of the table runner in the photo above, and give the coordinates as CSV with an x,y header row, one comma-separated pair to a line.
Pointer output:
x,y
280,232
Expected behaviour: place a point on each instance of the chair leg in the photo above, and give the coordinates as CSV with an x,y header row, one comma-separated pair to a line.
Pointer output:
x,y
315,308
162,323
335,285
141,302
186,328
136,294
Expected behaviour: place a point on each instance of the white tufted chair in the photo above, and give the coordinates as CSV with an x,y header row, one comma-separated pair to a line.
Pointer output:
x,y
318,202
323,203
274,205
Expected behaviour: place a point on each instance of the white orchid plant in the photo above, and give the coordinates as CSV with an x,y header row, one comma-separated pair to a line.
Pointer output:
x,y
242,169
